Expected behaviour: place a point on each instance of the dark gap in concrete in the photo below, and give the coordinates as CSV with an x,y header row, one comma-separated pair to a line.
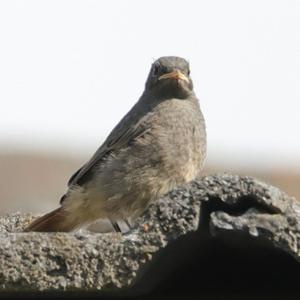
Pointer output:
x,y
199,262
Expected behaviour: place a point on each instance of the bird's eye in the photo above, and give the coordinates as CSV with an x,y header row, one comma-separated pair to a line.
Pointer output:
x,y
188,72
156,69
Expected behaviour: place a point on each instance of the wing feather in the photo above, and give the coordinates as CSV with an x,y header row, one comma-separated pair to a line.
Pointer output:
x,y
119,138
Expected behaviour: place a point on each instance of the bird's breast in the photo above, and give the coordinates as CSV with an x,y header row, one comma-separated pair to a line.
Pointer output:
x,y
179,136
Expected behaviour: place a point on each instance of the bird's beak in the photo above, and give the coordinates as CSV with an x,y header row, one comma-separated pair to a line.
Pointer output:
x,y
174,75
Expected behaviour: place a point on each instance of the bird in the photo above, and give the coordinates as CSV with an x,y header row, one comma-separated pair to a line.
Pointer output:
x,y
159,145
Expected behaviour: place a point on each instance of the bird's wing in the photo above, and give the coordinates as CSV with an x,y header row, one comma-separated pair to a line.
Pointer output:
x,y
74,175
124,133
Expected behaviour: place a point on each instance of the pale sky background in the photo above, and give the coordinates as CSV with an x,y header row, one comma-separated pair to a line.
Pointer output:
x,y
69,70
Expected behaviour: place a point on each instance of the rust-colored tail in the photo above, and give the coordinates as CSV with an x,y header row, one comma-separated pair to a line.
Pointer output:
x,y
57,220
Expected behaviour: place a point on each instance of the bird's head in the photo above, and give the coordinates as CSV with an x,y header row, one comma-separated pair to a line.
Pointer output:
x,y
169,77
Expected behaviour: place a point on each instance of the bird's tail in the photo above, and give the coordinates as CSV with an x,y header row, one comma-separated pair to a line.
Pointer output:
x,y
57,220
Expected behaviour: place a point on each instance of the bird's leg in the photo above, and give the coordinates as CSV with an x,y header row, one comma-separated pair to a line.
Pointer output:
x,y
128,223
115,226
122,226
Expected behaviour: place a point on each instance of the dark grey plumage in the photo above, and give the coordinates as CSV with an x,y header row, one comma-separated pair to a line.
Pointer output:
x,y
159,145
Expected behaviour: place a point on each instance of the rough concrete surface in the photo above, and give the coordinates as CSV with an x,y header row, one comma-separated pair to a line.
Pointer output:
x,y
221,207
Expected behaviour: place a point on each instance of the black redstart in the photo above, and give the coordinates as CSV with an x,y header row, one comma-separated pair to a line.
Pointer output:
x,y
159,145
